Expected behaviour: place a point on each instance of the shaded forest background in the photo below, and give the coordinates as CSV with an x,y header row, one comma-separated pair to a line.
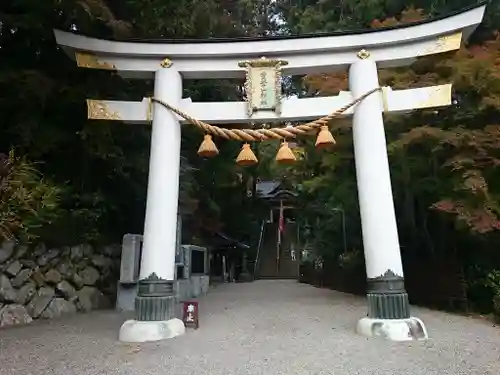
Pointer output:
x,y
67,180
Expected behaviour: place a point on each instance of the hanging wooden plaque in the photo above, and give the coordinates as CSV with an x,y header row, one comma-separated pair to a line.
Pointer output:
x,y
263,84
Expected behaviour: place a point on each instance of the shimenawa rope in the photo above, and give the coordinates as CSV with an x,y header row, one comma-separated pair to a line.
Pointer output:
x,y
249,135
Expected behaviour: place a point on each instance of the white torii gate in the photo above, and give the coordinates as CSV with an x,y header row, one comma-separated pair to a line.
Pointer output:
x,y
169,61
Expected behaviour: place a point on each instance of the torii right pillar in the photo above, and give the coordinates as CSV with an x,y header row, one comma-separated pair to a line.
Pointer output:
x,y
388,306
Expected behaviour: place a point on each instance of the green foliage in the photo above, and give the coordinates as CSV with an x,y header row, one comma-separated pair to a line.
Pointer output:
x,y
351,259
100,168
27,201
493,281
307,16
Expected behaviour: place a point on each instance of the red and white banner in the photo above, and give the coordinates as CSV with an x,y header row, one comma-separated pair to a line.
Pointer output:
x,y
281,223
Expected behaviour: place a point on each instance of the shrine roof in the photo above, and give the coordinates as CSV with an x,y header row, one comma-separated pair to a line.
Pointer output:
x,y
221,240
266,188
481,3
271,190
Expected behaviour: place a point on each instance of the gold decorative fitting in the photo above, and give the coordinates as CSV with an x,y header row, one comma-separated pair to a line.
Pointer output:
x,y
363,54
166,63
263,62
443,44
437,97
263,84
98,110
385,99
149,114
87,60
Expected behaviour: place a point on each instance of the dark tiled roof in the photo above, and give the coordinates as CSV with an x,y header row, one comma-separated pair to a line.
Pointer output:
x,y
267,189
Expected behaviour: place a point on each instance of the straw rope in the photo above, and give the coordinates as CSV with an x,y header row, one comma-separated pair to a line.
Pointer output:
x,y
249,135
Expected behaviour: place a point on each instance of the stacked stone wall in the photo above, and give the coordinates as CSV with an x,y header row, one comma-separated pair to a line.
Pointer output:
x,y
37,282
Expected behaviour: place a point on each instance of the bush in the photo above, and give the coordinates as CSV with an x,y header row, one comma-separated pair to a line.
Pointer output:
x,y
351,260
496,307
27,201
493,282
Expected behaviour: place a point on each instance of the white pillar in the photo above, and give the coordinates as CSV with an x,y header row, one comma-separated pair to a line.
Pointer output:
x,y
388,306
160,225
378,219
155,301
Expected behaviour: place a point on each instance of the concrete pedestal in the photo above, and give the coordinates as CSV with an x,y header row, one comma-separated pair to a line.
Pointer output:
x,y
393,329
144,331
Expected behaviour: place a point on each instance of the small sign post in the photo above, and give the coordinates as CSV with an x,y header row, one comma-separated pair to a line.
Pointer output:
x,y
190,314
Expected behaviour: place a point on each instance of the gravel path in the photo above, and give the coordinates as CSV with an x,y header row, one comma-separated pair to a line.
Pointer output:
x,y
265,327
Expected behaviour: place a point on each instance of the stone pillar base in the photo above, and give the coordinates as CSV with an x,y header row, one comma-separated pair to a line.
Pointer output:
x,y
157,308
393,329
245,277
137,331
388,305
387,297
155,300
155,311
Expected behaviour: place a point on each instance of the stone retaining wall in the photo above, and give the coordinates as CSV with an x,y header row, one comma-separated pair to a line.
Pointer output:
x,y
41,283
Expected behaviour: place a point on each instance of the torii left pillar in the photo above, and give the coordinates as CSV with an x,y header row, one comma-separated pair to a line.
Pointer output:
x,y
155,304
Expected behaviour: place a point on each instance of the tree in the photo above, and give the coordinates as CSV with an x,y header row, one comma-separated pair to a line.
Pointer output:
x,y
99,167
444,163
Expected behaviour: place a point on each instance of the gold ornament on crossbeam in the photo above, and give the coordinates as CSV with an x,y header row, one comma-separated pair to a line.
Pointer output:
x,y
445,43
88,60
98,110
363,54
437,97
263,84
166,63
149,113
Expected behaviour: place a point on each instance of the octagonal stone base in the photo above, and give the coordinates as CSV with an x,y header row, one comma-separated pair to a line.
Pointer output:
x,y
393,329
143,331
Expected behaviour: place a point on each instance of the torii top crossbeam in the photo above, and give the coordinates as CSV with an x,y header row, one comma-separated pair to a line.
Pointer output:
x,y
315,53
